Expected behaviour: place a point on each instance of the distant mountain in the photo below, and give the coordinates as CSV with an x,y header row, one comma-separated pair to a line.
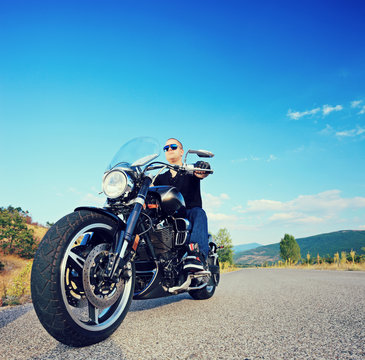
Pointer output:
x,y
245,247
323,244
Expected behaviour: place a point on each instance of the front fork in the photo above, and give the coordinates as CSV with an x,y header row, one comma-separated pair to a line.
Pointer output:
x,y
124,238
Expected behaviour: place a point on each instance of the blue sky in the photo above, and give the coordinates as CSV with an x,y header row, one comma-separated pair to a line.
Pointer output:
x,y
274,89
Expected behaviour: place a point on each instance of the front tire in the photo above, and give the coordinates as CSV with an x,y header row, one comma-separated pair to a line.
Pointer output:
x,y
62,281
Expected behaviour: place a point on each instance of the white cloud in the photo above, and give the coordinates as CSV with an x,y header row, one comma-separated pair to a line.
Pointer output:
x,y
264,220
351,133
328,130
296,218
73,190
296,115
356,103
305,208
221,217
212,202
94,200
327,109
271,158
231,222
263,205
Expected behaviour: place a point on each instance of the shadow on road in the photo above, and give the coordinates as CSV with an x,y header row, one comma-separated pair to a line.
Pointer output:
x,y
10,314
140,305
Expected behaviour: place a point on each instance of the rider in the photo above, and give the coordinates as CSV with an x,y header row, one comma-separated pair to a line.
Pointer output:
x,y
189,186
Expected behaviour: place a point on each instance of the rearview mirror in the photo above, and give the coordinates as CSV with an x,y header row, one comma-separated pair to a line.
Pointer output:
x,y
200,153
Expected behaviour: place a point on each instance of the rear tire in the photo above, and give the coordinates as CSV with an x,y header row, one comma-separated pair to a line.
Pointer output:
x,y
208,291
58,284
203,294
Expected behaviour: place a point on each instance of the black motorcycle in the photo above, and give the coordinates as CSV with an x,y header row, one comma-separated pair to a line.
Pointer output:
x,y
93,262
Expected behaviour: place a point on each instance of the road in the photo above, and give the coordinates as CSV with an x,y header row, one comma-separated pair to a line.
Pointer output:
x,y
255,314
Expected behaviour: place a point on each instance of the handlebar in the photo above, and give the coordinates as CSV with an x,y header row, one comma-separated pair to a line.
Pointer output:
x,y
190,169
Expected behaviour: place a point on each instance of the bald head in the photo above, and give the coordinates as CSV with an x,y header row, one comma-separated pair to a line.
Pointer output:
x,y
176,140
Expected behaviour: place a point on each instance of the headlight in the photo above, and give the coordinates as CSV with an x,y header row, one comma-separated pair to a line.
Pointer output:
x,y
115,184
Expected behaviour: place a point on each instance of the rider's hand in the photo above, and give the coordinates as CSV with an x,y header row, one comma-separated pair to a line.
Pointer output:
x,y
201,165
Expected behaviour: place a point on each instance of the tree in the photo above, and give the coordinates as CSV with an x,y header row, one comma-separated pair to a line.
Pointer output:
x,y
352,253
15,237
289,248
343,257
308,258
223,238
337,258
318,259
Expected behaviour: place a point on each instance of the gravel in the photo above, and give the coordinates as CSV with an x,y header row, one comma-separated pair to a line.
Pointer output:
x,y
254,314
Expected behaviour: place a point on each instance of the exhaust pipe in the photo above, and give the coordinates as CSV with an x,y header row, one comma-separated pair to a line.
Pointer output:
x,y
186,285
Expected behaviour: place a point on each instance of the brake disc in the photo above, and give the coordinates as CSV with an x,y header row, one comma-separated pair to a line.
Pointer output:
x,y
100,292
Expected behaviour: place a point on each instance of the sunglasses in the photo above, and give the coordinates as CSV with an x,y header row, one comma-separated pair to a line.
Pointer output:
x,y
172,146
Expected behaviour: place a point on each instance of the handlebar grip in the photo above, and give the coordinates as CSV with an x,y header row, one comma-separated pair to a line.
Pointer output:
x,y
209,171
191,169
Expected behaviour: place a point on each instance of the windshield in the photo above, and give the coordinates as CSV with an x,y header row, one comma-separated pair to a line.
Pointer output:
x,y
136,152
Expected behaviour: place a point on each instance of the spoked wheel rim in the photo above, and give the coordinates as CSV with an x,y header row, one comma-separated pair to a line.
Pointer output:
x,y
83,312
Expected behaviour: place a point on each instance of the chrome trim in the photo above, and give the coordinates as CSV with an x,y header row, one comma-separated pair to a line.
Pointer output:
x,y
139,200
124,298
129,183
186,285
155,272
181,233
124,247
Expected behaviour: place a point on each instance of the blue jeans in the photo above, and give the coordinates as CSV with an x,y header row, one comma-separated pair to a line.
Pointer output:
x,y
199,232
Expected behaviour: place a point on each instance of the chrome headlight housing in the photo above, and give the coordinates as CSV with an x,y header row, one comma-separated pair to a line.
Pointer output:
x,y
116,183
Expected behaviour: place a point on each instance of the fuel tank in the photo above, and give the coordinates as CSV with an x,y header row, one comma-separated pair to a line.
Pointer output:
x,y
170,198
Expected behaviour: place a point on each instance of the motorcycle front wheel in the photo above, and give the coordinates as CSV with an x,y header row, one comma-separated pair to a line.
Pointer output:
x,y
72,299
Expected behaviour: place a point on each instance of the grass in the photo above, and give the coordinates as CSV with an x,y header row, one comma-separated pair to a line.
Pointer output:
x,y
15,280
15,275
227,267
347,266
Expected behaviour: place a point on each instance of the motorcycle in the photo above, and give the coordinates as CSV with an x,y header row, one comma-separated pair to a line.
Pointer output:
x,y
94,261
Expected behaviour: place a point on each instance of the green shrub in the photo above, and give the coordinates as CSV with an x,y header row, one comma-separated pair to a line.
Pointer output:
x,y
20,287
15,237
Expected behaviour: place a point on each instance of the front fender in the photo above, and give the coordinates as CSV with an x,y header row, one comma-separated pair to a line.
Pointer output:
x,y
120,222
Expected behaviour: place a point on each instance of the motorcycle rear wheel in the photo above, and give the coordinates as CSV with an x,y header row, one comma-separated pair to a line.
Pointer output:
x,y
78,309
208,291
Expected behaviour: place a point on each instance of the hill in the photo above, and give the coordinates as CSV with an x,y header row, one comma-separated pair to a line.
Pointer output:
x,y
323,244
245,247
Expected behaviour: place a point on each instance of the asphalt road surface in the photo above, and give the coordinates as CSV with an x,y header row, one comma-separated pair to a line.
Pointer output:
x,y
254,314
